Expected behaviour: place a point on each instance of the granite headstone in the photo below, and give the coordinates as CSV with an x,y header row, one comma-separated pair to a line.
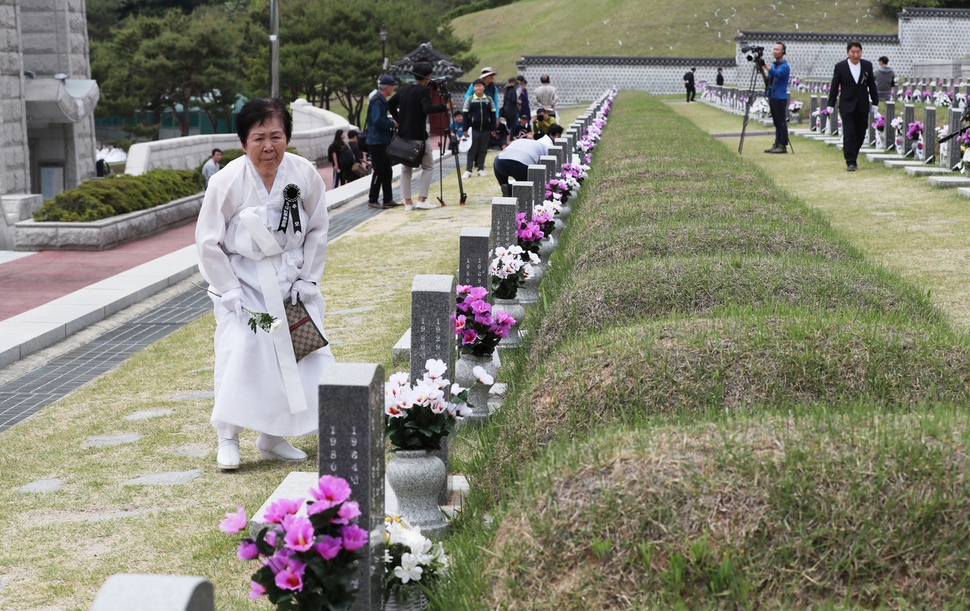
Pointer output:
x,y
474,250
351,438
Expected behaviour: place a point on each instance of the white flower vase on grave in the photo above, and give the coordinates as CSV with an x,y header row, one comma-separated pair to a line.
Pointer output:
x,y
477,391
918,148
564,212
417,477
416,601
944,153
529,292
516,311
898,145
880,140
558,227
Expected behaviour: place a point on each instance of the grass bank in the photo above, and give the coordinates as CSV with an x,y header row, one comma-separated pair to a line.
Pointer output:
x,y
722,403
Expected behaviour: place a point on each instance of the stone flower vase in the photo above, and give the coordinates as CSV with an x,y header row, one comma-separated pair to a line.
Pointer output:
x,y
546,246
516,311
417,601
477,392
417,476
529,292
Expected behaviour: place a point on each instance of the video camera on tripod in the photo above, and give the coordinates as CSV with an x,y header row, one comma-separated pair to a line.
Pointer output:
x,y
440,84
754,54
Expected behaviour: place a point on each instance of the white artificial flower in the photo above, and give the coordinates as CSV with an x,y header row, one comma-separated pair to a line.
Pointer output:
x,y
409,569
436,368
483,376
276,326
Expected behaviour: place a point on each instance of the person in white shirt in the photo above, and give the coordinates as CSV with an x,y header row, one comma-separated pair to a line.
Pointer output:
x,y
514,160
211,166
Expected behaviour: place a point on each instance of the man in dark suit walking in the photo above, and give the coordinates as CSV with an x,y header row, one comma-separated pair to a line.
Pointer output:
x,y
689,84
853,77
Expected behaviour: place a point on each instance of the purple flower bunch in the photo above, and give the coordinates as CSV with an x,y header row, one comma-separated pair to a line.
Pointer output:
x,y
576,171
479,328
544,215
529,233
964,139
824,112
879,123
915,129
309,554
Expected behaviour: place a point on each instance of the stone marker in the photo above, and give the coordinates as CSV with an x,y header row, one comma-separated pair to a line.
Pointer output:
x,y
557,152
433,335
813,106
351,437
929,134
524,195
41,485
870,130
550,162
890,131
568,146
124,592
167,478
104,441
539,174
474,252
909,115
953,154
503,222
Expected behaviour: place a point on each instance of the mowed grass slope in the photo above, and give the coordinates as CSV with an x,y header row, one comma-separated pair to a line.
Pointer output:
x,y
734,410
655,28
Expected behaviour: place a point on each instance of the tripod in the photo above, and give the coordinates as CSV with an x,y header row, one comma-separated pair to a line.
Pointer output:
x,y
446,138
749,100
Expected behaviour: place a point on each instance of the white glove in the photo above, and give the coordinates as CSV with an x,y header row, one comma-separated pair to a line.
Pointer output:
x,y
232,301
875,110
304,289
831,110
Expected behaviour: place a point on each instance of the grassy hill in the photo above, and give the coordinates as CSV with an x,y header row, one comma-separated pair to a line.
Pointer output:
x,y
666,28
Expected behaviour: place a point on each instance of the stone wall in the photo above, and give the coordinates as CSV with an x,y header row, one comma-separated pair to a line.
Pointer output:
x,y
923,34
13,121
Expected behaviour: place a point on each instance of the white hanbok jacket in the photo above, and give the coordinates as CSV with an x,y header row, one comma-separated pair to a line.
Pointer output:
x,y
258,383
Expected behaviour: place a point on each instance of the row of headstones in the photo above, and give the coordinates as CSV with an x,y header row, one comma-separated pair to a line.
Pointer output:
x,y
351,398
954,86
947,155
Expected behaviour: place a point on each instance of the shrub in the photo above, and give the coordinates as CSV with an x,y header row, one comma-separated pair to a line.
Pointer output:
x,y
117,194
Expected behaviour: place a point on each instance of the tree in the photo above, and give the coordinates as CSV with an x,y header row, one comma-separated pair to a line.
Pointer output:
x,y
332,48
171,62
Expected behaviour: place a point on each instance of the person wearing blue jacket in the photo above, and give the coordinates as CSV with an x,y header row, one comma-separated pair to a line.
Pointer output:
x,y
776,81
488,75
379,126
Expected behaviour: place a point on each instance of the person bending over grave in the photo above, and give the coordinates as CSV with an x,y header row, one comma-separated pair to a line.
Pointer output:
x,y
514,160
262,238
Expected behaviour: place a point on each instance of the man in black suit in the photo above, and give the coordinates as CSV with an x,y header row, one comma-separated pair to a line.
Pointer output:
x,y
689,84
853,77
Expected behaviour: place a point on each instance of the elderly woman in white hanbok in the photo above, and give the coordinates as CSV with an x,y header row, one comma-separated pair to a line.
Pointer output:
x,y
255,252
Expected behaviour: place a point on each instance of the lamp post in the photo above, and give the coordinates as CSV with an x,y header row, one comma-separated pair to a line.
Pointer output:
x,y
274,49
383,47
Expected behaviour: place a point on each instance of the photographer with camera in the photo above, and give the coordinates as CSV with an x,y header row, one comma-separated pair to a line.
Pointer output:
x,y
854,79
410,107
776,90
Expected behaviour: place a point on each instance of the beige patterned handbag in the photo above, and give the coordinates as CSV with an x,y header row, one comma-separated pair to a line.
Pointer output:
x,y
305,335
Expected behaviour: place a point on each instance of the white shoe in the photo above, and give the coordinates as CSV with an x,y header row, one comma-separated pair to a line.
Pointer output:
x,y
283,451
481,172
408,207
228,457
466,175
425,205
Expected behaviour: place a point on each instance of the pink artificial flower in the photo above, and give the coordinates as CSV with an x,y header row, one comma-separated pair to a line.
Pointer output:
x,y
234,522
299,533
331,490
478,292
459,322
347,512
468,336
290,576
270,538
329,547
462,289
247,550
354,537
483,319
256,590
278,510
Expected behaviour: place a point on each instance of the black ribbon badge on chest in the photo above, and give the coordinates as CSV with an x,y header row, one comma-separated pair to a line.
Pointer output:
x,y
291,201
